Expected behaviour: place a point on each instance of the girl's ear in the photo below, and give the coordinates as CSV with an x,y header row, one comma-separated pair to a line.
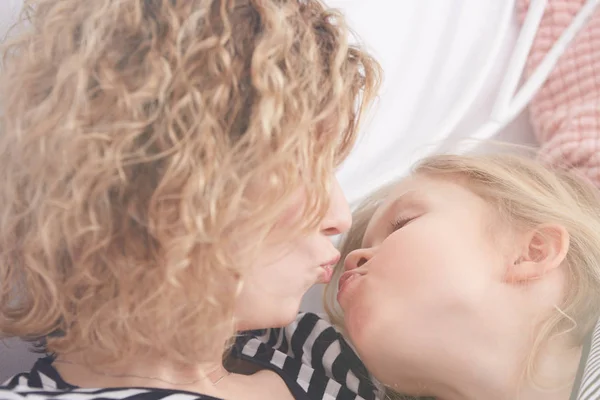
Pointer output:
x,y
543,249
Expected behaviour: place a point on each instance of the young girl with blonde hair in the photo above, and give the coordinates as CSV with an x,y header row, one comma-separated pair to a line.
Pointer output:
x,y
476,277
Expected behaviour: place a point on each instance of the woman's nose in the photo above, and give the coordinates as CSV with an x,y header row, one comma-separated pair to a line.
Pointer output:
x,y
338,218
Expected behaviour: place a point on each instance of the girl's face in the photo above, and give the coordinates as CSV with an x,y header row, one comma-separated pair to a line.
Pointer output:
x,y
429,276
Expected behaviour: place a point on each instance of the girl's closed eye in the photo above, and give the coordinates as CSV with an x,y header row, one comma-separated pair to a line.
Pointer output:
x,y
400,222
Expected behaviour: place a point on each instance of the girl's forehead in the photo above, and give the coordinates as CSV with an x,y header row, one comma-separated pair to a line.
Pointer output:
x,y
408,189
417,192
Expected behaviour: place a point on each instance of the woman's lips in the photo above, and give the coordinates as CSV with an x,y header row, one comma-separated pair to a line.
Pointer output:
x,y
327,269
326,274
334,260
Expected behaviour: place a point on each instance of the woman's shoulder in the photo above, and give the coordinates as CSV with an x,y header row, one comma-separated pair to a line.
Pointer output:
x,y
44,382
28,393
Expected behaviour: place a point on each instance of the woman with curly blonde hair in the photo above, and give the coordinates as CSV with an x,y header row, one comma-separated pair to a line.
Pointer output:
x,y
166,180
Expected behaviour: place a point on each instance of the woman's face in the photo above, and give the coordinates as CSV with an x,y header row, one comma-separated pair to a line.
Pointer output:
x,y
273,290
428,275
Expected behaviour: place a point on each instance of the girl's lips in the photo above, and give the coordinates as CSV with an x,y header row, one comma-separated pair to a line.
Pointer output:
x,y
345,280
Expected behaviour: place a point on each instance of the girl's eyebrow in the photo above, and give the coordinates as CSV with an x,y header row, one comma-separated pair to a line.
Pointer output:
x,y
409,196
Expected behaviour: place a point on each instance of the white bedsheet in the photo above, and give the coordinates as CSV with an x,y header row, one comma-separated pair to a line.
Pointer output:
x,y
431,51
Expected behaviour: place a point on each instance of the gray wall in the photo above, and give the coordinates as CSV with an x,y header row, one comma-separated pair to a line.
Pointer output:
x,y
15,357
9,10
14,354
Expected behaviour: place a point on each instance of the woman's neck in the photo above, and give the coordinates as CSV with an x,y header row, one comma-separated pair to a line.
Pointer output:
x,y
209,378
155,372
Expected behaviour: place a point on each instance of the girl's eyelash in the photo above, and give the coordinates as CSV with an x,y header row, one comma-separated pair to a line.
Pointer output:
x,y
399,223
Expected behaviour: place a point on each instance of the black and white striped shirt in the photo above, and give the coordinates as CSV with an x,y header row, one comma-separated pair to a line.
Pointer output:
x,y
587,383
310,356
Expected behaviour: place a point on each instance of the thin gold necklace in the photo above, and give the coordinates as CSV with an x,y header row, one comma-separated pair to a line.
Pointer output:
x,y
154,378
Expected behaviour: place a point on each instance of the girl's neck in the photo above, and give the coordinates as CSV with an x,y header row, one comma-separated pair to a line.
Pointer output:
x,y
551,377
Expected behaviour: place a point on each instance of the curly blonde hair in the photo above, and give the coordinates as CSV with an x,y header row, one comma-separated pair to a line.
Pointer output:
x,y
148,147
526,193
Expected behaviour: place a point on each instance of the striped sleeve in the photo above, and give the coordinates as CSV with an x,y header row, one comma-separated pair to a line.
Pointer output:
x,y
316,357
589,387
